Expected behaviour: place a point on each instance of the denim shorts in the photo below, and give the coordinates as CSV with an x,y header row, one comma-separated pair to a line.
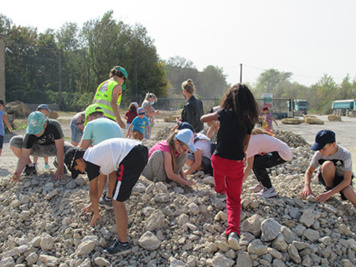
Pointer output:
x,y
76,134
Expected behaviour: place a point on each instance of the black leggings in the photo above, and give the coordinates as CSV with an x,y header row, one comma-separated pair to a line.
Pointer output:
x,y
262,162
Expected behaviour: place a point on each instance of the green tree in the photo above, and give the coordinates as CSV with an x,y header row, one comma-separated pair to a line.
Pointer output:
x,y
212,82
270,79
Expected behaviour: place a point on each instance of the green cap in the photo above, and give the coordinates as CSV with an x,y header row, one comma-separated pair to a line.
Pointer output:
x,y
35,122
123,71
91,109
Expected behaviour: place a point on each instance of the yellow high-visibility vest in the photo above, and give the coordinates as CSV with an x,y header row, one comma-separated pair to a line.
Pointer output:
x,y
103,97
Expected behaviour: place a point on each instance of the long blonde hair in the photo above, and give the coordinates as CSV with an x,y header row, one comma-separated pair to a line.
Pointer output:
x,y
171,143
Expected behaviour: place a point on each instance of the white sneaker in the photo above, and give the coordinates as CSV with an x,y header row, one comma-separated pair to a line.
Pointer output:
x,y
257,188
233,241
267,192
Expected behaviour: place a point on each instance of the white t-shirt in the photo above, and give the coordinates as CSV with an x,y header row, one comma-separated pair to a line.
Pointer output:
x,y
203,143
109,153
263,143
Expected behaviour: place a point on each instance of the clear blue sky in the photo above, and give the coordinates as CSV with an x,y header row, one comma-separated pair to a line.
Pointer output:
x,y
309,38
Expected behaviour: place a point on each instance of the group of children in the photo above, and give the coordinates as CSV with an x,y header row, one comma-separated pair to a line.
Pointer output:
x,y
240,148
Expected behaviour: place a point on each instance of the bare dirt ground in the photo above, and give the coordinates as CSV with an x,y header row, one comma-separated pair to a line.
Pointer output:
x,y
345,135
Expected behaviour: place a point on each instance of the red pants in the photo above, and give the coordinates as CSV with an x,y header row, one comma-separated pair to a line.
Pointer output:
x,y
228,175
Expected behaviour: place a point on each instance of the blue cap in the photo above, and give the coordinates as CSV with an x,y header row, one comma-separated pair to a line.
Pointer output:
x,y
35,122
43,106
187,137
322,138
140,111
185,125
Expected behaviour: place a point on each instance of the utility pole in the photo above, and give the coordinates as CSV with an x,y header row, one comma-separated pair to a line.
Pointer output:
x,y
241,73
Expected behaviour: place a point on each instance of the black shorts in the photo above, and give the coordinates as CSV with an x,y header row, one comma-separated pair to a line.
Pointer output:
x,y
129,171
1,141
337,180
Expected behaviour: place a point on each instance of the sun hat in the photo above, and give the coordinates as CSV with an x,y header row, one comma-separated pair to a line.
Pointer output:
x,y
70,156
43,106
91,109
140,111
322,138
187,137
35,122
185,125
123,71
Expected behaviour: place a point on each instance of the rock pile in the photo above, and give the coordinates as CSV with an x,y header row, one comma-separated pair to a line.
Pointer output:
x,y
42,224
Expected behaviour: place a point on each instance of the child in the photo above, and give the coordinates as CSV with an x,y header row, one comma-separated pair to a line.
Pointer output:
x,y
127,158
335,172
131,114
45,111
138,126
265,151
213,125
200,159
237,117
3,119
167,158
268,118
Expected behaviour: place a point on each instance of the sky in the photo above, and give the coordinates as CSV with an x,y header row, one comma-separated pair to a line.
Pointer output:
x,y
309,38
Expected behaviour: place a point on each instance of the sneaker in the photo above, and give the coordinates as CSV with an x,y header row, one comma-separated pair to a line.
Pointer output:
x,y
47,167
267,192
233,241
30,170
35,164
257,188
117,247
106,202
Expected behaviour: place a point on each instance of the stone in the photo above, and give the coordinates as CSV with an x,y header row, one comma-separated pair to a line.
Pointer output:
x,y
149,241
311,235
155,221
270,229
243,259
222,261
252,225
293,254
256,247
100,261
47,242
308,218
7,262
49,260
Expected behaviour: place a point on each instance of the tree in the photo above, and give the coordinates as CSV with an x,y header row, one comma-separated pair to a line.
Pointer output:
x,y
212,82
269,80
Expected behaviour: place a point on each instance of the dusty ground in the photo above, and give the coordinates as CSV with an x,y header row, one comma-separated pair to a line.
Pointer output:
x,y
345,135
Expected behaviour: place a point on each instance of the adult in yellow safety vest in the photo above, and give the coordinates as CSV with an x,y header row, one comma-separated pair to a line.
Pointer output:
x,y
109,94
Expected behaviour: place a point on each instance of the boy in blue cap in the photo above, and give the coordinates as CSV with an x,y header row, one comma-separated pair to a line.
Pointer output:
x,y
335,172
138,126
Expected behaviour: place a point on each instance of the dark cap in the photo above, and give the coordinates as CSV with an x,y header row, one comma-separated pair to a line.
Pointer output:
x,y
185,125
2,102
322,138
70,157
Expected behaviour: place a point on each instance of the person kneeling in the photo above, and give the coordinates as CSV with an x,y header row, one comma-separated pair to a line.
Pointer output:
x,y
127,158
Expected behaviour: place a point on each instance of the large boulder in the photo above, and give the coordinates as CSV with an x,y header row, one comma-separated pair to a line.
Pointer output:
x,y
292,121
18,109
313,120
333,117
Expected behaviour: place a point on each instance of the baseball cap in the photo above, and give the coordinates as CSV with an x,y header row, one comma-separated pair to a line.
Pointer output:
x,y
265,108
187,137
43,106
322,138
140,111
91,109
123,71
185,125
70,156
35,122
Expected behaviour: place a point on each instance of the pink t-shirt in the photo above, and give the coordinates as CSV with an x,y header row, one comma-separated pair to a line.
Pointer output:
x,y
263,143
162,146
